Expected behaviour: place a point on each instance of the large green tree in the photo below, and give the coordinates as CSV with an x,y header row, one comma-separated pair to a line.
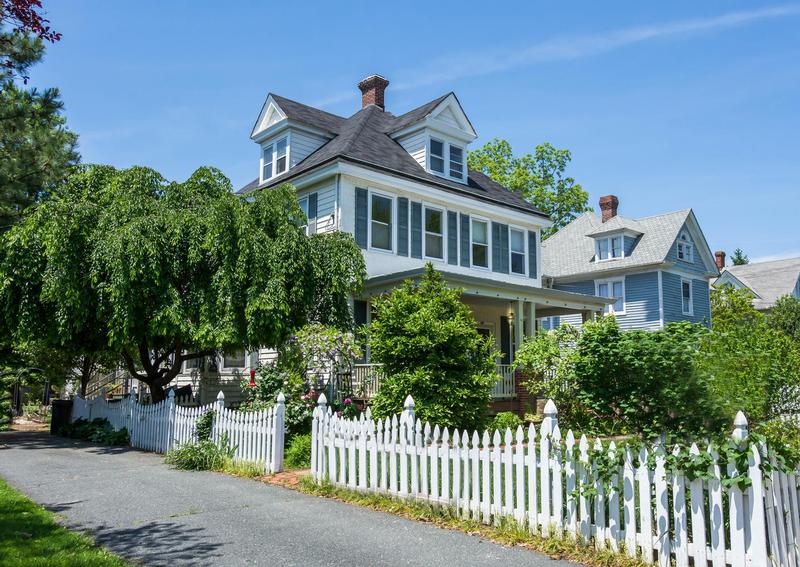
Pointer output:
x,y
739,258
540,178
166,272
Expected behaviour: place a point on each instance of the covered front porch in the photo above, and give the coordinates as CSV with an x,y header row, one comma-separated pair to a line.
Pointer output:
x,y
508,312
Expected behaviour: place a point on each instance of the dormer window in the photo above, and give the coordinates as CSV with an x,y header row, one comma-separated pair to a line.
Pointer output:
x,y
685,248
437,156
275,158
456,162
609,248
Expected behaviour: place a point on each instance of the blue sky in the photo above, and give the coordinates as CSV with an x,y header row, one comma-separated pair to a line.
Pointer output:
x,y
667,105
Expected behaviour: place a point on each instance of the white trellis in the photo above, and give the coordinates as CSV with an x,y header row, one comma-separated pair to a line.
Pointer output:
x,y
255,436
654,513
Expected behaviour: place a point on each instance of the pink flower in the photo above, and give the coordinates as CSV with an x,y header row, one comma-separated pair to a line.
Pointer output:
x,y
348,401
338,414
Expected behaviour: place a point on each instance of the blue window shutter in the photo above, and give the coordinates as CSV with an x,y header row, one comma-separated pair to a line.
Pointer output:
x,y
402,226
499,247
531,254
452,237
362,203
505,340
416,230
312,212
465,241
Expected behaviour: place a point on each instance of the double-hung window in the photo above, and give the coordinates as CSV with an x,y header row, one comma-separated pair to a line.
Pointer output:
x,y
610,247
437,155
380,222
687,304
434,233
304,207
456,162
517,250
480,243
234,358
685,248
614,289
275,159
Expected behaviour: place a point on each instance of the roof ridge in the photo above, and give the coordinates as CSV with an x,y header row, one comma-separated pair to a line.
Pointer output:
x,y
275,95
687,211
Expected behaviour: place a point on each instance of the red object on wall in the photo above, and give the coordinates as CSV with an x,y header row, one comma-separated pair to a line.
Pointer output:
x,y
252,378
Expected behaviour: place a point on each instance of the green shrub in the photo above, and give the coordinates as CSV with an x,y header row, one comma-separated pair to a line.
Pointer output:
x,y
505,420
201,456
204,426
783,439
298,452
426,338
97,431
5,402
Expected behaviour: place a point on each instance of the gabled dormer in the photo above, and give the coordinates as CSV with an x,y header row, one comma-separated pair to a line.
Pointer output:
x,y
616,237
283,137
437,136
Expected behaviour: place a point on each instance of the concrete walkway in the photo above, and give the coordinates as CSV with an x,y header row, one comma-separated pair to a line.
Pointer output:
x,y
139,508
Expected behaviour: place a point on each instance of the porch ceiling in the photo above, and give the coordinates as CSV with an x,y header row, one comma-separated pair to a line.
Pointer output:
x,y
547,301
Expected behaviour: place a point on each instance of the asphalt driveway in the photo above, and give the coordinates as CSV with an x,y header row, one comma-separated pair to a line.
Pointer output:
x,y
139,508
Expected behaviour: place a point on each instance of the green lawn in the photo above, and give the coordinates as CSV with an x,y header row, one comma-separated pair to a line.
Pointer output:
x,y
31,537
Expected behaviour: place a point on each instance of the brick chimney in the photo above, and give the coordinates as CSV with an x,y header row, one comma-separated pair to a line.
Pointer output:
x,y
608,205
719,257
372,89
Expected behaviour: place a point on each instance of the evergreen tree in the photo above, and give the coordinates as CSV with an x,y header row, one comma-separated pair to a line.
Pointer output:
x,y
739,258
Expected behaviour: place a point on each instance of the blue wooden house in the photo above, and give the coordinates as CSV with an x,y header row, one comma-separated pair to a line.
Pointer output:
x,y
656,268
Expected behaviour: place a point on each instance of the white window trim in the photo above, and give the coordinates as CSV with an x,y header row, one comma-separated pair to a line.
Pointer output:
x,y
687,245
274,143
443,212
392,228
472,264
691,297
444,156
610,283
524,253
463,161
299,201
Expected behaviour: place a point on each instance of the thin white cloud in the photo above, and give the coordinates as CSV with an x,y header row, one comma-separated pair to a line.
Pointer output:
x,y
779,256
458,66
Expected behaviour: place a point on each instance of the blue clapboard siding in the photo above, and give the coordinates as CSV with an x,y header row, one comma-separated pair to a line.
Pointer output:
x,y
362,197
465,242
416,230
697,266
452,237
641,302
630,244
402,226
673,300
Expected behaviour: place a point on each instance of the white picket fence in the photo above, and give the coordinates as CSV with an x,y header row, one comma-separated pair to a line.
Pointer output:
x,y
654,513
256,436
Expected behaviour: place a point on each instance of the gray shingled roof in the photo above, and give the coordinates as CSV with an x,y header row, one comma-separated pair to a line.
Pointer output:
x,y
769,280
571,251
364,138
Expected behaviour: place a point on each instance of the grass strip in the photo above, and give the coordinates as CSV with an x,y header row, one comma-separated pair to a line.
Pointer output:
x,y
506,532
30,536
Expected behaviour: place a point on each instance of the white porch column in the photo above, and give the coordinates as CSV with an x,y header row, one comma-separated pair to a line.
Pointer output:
x,y
518,322
530,327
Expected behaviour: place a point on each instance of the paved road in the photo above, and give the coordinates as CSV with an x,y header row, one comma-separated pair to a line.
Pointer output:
x,y
139,508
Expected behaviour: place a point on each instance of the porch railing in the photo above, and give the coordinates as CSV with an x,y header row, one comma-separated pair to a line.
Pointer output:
x,y
504,388
366,379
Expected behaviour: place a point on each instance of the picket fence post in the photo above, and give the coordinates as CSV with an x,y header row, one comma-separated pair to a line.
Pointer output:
x,y
317,437
170,429
277,435
218,410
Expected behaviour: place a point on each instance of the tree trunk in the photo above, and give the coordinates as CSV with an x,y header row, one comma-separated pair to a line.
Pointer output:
x,y
86,374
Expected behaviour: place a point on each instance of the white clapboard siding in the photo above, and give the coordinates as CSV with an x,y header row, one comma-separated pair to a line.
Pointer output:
x,y
657,514
254,436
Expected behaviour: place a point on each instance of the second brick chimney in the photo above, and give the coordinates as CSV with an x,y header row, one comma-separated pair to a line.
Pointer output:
x,y
719,257
608,206
372,89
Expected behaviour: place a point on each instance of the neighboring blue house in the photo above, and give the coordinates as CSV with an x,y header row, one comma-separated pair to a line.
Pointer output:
x,y
657,268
